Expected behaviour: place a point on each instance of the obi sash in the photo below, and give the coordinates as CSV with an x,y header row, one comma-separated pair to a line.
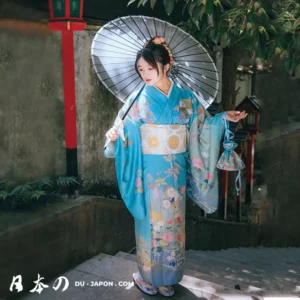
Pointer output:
x,y
163,139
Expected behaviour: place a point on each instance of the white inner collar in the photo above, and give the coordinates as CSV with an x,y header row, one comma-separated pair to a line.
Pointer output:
x,y
169,92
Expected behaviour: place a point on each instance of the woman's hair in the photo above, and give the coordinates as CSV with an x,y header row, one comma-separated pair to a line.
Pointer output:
x,y
153,54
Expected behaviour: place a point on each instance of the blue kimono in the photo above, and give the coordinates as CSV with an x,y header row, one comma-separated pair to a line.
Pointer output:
x,y
168,147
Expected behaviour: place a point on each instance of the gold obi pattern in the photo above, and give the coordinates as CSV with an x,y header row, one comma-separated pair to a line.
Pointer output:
x,y
163,139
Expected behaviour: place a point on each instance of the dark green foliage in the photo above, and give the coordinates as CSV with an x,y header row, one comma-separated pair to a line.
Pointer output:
x,y
34,193
264,28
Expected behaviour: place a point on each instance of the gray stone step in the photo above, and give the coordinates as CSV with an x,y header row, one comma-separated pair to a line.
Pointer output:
x,y
192,267
208,276
202,278
229,274
260,277
211,269
268,262
104,269
264,256
193,280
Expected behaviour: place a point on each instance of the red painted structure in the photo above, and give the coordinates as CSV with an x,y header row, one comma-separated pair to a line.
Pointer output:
x,y
223,204
250,164
239,196
252,105
67,24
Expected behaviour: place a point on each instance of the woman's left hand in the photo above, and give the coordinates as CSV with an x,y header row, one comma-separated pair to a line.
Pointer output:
x,y
235,116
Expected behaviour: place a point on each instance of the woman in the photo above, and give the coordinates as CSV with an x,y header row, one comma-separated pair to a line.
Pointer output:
x,y
168,146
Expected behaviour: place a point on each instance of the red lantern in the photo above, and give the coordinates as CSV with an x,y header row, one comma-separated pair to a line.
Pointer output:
x,y
66,10
252,105
66,14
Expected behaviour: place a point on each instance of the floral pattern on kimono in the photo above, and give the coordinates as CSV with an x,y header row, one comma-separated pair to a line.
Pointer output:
x,y
154,186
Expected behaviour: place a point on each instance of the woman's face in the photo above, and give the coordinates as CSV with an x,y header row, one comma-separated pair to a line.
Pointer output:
x,y
148,73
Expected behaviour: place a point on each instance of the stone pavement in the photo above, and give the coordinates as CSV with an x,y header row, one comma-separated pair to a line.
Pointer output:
x,y
237,274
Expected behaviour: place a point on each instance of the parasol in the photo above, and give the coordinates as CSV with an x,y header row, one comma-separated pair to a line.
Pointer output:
x,y
116,44
114,50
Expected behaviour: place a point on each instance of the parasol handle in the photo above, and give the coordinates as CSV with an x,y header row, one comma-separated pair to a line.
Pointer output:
x,y
106,144
108,140
124,116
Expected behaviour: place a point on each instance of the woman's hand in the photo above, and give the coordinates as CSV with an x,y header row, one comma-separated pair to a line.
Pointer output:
x,y
235,116
112,134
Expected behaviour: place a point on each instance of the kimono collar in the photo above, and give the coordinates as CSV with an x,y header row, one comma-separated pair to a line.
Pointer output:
x,y
159,92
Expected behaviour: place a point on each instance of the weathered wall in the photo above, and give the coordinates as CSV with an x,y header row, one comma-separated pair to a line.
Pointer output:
x,y
22,10
32,113
279,195
96,111
72,231
278,156
280,94
31,107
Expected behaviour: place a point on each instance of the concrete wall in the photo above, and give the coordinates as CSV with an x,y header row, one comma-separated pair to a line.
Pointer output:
x,y
277,191
32,136
22,10
55,239
280,93
32,113
96,111
31,107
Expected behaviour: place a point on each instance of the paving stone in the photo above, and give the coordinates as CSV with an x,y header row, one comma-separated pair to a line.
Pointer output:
x,y
255,279
209,275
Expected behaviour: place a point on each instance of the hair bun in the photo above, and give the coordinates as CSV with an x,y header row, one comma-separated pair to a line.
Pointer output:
x,y
159,41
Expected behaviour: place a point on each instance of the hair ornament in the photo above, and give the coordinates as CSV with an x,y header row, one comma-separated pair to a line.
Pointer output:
x,y
159,40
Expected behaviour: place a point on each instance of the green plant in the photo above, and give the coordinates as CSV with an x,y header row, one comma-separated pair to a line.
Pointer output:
x,y
35,192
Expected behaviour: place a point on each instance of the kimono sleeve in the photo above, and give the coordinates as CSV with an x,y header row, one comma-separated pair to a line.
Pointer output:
x,y
204,140
129,163
109,152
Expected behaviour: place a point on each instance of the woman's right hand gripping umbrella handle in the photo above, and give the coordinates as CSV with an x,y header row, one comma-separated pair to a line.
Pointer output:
x,y
111,136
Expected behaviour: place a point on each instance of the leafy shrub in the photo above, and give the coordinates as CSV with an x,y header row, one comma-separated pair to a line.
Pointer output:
x,y
35,193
